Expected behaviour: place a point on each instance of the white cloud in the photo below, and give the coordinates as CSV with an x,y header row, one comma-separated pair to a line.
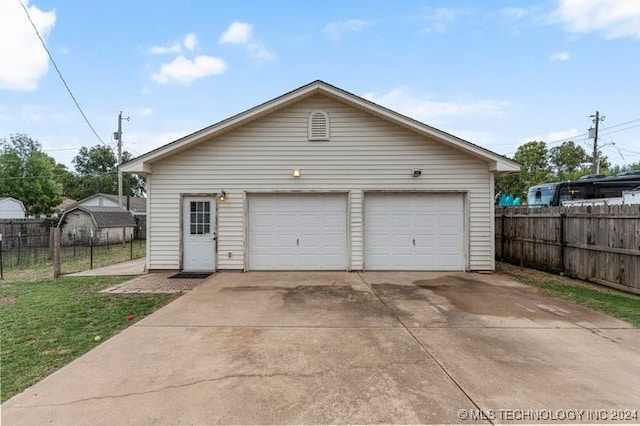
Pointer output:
x,y
163,50
258,50
439,19
241,33
146,112
514,13
399,99
23,61
613,18
560,56
237,33
335,30
556,136
190,42
183,70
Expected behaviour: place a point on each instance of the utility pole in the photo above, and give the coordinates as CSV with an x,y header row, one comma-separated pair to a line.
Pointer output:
x,y
118,137
595,165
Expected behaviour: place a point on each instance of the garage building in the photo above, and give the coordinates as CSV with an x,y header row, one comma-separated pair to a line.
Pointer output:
x,y
320,179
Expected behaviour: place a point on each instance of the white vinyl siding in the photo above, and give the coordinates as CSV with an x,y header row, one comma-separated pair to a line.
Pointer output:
x,y
365,153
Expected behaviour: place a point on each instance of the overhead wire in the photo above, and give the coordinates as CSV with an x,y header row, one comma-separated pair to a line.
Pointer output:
x,y
44,45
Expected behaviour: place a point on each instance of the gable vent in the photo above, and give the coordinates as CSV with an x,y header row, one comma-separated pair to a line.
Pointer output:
x,y
318,126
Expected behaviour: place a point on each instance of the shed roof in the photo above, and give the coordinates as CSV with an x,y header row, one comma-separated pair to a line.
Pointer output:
x,y
5,199
105,217
144,163
135,203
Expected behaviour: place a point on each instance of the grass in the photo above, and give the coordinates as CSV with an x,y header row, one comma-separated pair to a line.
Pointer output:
x,y
47,324
75,261
616,303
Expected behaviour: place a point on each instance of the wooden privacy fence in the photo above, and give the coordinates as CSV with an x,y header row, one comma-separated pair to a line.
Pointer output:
x,y
595,243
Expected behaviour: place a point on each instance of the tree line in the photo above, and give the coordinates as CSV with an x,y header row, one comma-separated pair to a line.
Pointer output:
x,y
539,164
32,176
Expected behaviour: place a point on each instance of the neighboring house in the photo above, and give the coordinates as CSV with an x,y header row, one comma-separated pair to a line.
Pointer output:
x,y
107,224
10,208
66,204
320,179
136,205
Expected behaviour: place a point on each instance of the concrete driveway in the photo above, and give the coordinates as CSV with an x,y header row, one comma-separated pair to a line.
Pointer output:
x,y
294,348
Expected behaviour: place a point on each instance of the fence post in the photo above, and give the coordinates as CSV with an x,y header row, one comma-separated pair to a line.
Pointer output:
x,y
19,248
563,241
1,271
502,237
56,251
91,250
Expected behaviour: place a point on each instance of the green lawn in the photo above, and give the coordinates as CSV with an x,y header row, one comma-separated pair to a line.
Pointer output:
x,y
73,261
47,324
616,303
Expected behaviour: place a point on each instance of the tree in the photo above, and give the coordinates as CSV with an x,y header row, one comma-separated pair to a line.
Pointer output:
x,y
27,174
97,170
624,168
567,158
534,169
602,159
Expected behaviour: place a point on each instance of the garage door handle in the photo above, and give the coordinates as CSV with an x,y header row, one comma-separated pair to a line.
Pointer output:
x,y
414,242
297,242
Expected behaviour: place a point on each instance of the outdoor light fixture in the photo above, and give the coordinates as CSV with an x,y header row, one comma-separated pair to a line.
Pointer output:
x,y
222,197
296,173
416,172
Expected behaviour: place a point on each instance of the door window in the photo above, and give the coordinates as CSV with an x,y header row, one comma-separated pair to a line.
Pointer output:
x,y
200,217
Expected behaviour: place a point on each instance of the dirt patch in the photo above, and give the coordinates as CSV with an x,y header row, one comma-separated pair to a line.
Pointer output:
x,y
5,300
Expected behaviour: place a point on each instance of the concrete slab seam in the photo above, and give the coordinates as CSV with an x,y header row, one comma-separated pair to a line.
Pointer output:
x,y
425,350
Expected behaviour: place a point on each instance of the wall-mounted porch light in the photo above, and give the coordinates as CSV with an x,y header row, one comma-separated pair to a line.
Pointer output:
x,y
222,197
296,173
416,173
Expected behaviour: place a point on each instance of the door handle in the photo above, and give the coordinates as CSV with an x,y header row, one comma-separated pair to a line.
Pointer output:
x,y
414,242
297,242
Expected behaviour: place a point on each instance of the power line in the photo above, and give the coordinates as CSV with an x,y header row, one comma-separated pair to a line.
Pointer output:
x,y
622,130
44,45
602,129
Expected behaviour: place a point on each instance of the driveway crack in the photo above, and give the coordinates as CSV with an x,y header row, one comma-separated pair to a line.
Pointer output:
x,y
426,350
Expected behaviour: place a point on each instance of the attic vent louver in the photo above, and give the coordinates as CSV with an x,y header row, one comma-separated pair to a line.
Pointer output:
x,y
318,126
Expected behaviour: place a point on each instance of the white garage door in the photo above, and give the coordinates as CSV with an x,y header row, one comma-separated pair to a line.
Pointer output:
x,y
413,231
298,232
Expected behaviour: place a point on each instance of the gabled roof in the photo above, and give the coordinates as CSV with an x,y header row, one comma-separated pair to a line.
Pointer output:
x,y
135,203
104,217
144,163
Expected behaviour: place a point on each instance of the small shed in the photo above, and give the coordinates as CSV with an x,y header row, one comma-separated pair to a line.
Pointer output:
x,y
108,225
136,205
10,208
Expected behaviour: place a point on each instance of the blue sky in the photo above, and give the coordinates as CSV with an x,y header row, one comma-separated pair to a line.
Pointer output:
x,y
497,73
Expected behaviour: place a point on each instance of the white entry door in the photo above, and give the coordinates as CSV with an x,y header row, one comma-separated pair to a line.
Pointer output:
x,y
298,232
198,234
414,231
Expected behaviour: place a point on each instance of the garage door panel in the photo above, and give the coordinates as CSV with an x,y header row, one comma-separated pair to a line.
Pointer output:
x,y
414,231
297,232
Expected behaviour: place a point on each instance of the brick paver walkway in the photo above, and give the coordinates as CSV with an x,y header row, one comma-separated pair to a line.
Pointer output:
x,y
155,283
